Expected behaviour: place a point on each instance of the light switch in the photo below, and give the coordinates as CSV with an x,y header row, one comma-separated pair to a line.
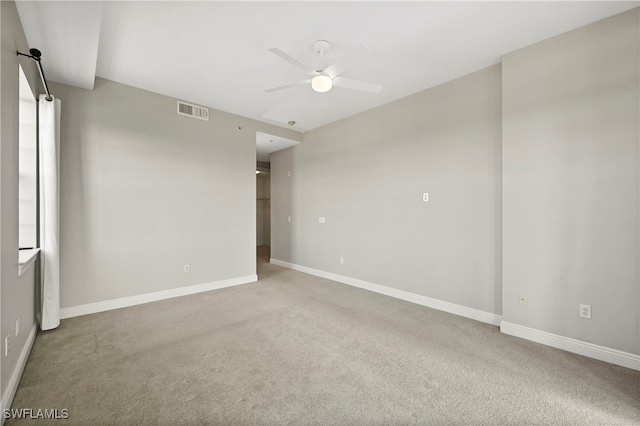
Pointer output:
x,y
321,219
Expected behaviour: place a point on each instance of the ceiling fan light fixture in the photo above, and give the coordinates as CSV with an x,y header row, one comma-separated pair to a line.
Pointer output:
x,y
321,83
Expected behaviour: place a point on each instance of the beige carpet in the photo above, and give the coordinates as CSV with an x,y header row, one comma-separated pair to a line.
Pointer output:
x,y
296,349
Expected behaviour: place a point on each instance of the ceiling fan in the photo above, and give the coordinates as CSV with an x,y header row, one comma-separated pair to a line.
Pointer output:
x,y
325,79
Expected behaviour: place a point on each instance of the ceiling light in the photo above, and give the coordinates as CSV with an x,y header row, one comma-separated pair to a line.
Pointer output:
x,y
321,83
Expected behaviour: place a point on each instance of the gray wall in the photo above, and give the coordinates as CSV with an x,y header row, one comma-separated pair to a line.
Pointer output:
x,y
366,174
570,171
145,191
283,236
17,293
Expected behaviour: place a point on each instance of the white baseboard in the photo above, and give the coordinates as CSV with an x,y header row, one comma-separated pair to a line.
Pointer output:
x,y
12,387
452,308
124,302
579,347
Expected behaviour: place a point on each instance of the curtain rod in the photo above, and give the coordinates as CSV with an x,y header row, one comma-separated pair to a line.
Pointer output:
x,y
35,55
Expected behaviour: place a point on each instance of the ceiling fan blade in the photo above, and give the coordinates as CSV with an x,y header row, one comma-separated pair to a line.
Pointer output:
x,y
337,67
292,60
287,86
363,86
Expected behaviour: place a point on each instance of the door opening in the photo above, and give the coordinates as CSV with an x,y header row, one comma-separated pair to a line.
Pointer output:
x,y
263,213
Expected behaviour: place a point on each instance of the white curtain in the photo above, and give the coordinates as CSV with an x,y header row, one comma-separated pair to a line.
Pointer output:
x,y
49,159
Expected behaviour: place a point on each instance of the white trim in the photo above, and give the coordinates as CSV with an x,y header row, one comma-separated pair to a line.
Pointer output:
x,y
612,356
26,258
124,302
452,308
12,387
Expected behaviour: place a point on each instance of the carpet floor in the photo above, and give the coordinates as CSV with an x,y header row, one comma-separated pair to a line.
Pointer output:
x,y
297,349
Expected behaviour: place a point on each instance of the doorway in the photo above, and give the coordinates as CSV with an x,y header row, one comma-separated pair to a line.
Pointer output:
x,y
266,144
263,210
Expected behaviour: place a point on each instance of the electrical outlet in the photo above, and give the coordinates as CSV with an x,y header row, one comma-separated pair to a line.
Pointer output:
x,y
425,197
585,311
187,269
6,346
289,174
341,260
17,326
321,219
522,299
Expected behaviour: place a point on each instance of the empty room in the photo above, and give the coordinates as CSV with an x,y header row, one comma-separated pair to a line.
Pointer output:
x,y
328,213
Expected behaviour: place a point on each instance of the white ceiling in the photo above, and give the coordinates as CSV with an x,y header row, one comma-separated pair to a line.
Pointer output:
x,y
266,144
216,54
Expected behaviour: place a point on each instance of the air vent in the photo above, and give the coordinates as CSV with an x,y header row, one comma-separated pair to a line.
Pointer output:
x,y
194,111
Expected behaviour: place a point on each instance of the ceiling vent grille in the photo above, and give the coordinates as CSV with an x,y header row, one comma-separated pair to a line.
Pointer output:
x,y
194,111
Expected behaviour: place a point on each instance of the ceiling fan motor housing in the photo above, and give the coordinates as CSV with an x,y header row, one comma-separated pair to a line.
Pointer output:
x,y
321,47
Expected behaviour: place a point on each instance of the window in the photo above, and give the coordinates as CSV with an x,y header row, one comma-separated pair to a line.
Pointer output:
x,y
27,167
